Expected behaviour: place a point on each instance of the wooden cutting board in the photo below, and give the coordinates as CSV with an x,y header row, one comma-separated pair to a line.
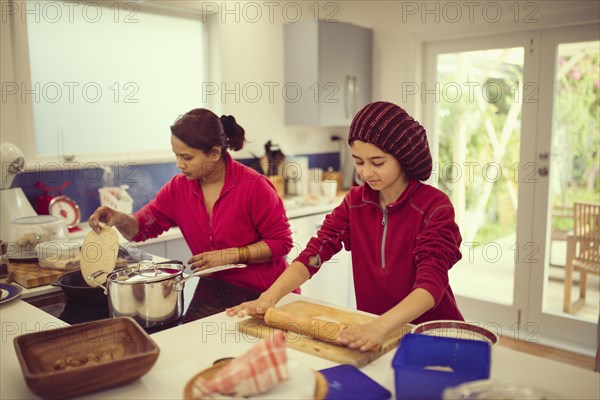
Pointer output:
x,y
30,274
343,355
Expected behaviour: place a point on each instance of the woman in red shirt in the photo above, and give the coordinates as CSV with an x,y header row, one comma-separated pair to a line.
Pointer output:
x,y
227,212
401,232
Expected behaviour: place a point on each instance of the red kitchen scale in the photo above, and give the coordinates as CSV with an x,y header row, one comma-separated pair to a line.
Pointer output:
x,y
58,205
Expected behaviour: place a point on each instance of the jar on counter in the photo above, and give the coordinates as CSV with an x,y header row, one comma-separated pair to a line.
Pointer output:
x,y
23,234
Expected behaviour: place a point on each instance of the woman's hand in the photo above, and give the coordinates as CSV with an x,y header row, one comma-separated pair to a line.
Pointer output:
x,y
127,224
255,308
106,215
364,337
214,258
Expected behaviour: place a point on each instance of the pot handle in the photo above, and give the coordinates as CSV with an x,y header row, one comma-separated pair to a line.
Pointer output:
x,y
207,271
95,275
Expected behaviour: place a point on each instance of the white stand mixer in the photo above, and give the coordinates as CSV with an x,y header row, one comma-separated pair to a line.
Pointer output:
x,y
13,203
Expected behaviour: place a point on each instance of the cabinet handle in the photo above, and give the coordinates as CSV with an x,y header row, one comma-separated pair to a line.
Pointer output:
x,y
347,96
352,94
354,97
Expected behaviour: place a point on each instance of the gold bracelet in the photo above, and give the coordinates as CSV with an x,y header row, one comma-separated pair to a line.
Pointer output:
x,y
243,255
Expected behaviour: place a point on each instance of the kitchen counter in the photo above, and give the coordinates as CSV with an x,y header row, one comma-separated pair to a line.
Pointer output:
x,y
192,347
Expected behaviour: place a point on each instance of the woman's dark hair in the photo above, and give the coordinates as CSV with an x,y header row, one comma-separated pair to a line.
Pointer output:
x,y
202,129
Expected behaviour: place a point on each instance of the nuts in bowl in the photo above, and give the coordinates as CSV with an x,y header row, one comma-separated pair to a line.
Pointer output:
x,y
84,358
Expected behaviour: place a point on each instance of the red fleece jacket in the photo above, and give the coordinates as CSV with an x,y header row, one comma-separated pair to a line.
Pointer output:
x,y
248,210
411,244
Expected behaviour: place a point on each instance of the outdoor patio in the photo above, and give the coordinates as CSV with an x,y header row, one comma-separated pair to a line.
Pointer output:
x,y
493,280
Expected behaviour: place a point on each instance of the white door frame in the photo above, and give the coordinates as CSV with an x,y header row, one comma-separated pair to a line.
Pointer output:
x,y
523,319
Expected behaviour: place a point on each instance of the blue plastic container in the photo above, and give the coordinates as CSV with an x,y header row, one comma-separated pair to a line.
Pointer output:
x,y
425,365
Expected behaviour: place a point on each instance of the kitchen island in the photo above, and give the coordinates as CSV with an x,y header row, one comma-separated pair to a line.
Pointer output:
x,y
187,349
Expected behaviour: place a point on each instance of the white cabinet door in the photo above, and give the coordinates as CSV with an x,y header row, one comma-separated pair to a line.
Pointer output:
x,y
345,56
333,282
328,71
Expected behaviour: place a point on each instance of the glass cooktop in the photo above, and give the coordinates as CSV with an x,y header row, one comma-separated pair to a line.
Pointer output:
x,y
210,297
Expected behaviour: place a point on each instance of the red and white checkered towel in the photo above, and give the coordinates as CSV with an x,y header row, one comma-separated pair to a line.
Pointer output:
x,y
257,371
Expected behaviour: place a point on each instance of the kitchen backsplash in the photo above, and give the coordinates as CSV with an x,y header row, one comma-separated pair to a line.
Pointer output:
x,y
144,181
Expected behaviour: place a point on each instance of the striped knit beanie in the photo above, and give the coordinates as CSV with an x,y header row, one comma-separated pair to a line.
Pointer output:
x,y
391,129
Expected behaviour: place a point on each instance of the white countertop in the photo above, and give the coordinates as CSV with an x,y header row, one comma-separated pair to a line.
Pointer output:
x,y
187,349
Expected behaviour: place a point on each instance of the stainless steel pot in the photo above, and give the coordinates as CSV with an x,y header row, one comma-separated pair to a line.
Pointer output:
x,y
152,294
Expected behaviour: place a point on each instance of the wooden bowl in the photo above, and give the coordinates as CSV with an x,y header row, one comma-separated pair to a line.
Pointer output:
x,y
85,358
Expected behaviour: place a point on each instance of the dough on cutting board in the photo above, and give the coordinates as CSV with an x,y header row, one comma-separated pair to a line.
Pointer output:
x,y
317,328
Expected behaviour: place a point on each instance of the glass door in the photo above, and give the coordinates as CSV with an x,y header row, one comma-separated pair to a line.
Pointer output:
x,y
513,129
568,153
476,130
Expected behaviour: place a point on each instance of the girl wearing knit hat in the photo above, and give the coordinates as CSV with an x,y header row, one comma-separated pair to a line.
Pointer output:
x,y
400,231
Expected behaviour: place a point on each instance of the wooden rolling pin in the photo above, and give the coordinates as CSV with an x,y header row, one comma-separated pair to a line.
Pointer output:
x,y
326,331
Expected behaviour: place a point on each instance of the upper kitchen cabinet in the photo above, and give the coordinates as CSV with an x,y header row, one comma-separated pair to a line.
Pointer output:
x,y
327,72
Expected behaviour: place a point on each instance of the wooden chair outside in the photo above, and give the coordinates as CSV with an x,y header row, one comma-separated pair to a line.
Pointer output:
x,y
557,233
583,252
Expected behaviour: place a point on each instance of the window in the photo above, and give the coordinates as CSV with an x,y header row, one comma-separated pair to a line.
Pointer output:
x,y
110,79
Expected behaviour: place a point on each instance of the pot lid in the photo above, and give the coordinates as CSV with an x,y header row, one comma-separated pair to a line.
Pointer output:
x,y
144,273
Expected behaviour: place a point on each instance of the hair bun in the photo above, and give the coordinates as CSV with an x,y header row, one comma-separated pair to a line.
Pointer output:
x,y
228,122
234,134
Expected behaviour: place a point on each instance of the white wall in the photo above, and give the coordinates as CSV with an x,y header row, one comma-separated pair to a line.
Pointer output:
x,y
7,123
